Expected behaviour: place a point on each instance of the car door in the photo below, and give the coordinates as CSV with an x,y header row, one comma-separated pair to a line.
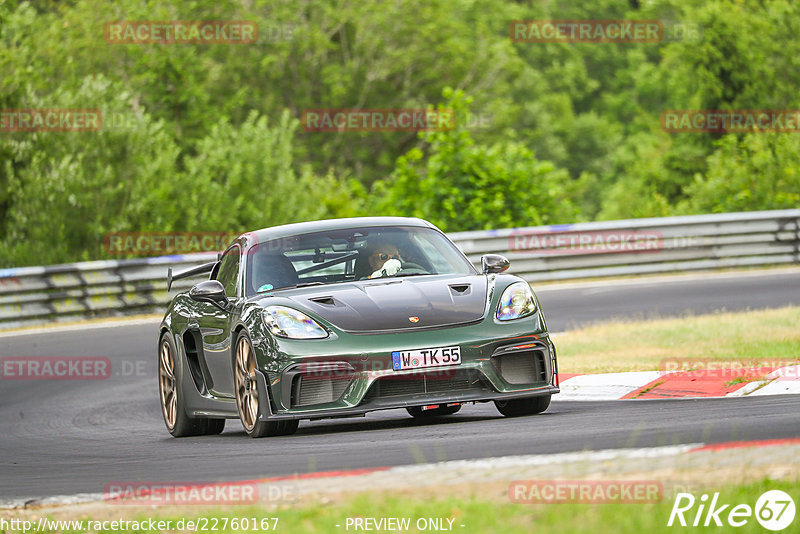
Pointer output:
x,y
214,325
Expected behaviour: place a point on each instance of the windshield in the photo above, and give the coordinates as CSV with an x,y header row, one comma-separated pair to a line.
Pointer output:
x,y
353,254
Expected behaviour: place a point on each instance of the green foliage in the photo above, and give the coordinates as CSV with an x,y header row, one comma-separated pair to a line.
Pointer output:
x,y
460,185
568,131
243,178
67,189
759,170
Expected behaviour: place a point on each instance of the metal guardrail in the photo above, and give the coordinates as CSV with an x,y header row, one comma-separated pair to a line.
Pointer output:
x,y
62,293
35,295
642,246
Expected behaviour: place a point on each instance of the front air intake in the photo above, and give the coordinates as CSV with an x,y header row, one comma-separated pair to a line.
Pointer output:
x,y
435,381
522,367
309,389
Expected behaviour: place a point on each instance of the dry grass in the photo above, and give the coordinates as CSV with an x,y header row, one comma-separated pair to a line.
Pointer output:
x,y
754,337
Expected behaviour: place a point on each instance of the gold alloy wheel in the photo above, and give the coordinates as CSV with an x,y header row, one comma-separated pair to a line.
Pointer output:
x,y
166,383
246,385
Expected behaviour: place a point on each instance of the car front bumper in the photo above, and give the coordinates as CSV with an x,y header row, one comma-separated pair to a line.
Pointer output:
x,y
352,374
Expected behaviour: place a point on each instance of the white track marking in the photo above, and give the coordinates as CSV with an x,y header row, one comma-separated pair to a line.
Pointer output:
x,y
608,386
784,381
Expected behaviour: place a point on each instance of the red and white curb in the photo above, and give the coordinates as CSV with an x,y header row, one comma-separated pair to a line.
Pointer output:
x,y
681,384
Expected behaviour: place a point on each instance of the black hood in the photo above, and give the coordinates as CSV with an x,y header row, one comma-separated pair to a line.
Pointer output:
x,y
394,303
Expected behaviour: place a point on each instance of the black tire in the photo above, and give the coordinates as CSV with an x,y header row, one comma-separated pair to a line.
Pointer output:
x,y
214,426
418,412
247,395
265,429
520,407
173,408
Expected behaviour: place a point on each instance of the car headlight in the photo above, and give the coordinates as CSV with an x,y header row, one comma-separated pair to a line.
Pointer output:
x,y
292,324
516,302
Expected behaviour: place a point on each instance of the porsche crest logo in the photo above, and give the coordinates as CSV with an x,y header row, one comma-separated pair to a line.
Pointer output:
x,y
413,319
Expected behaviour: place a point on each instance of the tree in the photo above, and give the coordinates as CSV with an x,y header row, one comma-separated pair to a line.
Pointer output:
x,y
244,178
760,171
67,189
460,185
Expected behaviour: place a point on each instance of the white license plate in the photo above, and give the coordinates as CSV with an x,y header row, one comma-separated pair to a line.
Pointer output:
x,y
416,359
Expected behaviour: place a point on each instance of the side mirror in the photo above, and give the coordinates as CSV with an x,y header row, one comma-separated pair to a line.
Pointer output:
x,y
210,291
494,263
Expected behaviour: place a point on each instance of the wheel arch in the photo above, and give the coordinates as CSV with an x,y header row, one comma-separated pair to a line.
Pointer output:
x,y
163,329
235,331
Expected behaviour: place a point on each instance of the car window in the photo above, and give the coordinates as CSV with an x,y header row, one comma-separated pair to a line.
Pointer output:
x,y
228,274
431,251
330,257
321,261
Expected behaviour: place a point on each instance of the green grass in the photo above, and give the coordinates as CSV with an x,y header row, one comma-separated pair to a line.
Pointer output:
x,y
741,380
494,513
754,337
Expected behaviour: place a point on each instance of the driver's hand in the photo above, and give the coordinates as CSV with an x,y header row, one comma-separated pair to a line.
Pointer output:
x,y
390,268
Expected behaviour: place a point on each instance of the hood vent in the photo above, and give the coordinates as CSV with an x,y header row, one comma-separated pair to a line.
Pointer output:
x,y
324,301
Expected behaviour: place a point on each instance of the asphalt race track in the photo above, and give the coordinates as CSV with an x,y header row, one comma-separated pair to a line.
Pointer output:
x,y
66,437
566,308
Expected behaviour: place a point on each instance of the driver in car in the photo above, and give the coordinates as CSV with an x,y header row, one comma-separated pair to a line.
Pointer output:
x,y
384,260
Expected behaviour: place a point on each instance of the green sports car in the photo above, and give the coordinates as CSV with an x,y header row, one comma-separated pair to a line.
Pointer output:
x,y
342,317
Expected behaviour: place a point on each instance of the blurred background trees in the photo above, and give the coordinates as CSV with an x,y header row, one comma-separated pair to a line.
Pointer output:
x,y
207,137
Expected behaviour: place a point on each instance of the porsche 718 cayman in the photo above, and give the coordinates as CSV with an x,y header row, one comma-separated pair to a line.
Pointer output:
x,y
342,317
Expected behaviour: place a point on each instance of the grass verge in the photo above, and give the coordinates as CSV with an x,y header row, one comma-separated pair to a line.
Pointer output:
x,y
491,513
756,338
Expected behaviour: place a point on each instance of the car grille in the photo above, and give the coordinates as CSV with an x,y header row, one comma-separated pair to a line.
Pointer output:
x,y
429,382
309,390
522,367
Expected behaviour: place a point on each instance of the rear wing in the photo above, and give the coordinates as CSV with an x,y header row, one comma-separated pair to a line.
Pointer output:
x,y
194,271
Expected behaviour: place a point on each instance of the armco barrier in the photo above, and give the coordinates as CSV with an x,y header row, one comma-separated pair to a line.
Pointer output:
x,y
34,295
641,246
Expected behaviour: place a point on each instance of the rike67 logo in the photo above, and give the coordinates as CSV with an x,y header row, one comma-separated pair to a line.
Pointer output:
x,y
774,510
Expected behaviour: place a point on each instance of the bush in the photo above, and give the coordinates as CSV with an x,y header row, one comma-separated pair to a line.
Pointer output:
x,y
460,185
